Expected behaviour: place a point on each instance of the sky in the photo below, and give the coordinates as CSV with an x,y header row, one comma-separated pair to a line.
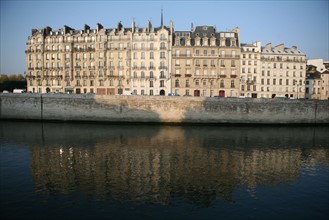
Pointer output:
x,y
300,23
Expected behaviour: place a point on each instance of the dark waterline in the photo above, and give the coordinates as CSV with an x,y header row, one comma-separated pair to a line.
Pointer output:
x,y
99,171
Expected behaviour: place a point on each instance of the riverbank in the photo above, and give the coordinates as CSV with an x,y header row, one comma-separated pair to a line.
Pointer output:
x,y
162,109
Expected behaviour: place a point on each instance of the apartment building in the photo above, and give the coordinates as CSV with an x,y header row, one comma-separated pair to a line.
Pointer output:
x,y
283,72
206,62
250,70
104,61
317,79
160,61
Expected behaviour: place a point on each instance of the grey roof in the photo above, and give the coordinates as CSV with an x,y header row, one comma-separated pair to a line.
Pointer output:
x,y
284,51
205,32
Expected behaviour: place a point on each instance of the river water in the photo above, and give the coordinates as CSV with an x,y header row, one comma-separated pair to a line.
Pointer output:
x,y
102,171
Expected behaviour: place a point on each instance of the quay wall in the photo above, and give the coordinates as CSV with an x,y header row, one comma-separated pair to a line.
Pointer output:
x,y
162,109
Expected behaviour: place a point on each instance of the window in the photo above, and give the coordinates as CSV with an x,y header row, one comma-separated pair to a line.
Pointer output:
x,y
151,84
177,83
161,83
232,84
221,84
187,83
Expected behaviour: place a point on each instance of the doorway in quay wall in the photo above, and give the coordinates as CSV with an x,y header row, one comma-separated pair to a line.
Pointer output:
x,y
196,92
221,93
162,92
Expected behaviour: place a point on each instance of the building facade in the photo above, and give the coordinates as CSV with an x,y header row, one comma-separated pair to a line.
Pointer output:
x,y
206,62
250,70
283,72
104,61
317,79
160,61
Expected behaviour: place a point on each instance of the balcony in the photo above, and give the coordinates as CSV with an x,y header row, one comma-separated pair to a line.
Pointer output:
x,y
229,56
177,75
188,75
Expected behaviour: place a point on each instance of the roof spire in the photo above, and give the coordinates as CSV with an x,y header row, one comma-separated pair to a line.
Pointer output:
x,y
161,16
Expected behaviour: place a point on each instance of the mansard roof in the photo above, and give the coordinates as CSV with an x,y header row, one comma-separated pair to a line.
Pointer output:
x,y
280,49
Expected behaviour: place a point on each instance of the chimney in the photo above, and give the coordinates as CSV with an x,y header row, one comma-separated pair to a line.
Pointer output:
x,y
99,26
86,28
279,47
171,27
268,46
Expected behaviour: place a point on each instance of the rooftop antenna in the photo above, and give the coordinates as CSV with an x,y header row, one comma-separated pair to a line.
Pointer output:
x,y
161,16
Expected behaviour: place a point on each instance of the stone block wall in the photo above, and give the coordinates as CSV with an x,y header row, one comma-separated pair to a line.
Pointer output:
x,y
162,109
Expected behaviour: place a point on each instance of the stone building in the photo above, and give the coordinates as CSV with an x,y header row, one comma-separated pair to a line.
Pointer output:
x,y
317,79
103,61
206,62
283,72
160,61
250,70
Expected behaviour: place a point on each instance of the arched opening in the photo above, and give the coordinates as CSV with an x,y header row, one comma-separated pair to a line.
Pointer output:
x,y
162,92
273,96
196,92
221,93
47,90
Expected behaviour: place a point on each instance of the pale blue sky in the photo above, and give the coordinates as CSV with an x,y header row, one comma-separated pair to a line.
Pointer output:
x,y
301,23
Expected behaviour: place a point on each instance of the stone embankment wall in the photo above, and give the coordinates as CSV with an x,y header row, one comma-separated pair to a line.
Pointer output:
x,y
161,109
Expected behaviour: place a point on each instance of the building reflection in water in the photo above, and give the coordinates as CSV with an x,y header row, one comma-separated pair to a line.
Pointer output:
x,y
157,164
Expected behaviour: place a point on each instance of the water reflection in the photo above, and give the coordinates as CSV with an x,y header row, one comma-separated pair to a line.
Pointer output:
x,y
157,164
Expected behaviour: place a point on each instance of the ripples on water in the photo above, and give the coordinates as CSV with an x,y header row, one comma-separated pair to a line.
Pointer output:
x,y
58,170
